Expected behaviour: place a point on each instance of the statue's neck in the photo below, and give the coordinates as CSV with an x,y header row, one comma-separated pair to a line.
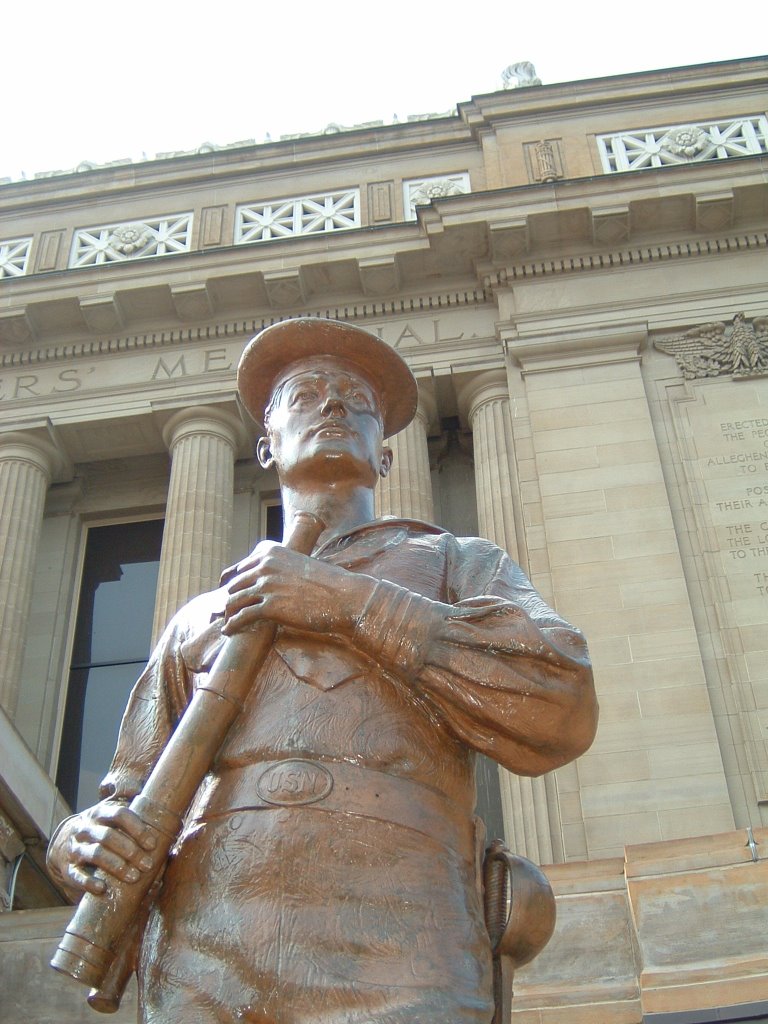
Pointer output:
x,y
340,508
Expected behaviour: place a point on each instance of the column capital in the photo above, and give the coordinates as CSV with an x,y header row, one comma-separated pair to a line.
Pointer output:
x,y
28,446
426,410
562,348
484,387
201,419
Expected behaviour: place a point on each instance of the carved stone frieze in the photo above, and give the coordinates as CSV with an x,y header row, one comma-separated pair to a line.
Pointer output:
x,y
711,350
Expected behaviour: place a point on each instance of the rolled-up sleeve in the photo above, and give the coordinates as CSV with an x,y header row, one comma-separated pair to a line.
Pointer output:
x,y
504,672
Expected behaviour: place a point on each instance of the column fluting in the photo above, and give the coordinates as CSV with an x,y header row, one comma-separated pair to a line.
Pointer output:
x,y
198,518
26,467
407,490
486,398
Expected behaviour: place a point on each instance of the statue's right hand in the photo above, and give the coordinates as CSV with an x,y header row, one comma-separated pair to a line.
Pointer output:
x,y
108,836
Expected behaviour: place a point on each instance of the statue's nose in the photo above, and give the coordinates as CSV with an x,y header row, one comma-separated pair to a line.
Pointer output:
x,y
333,405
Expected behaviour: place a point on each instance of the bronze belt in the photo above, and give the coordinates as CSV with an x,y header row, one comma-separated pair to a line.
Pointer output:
x,y
345,788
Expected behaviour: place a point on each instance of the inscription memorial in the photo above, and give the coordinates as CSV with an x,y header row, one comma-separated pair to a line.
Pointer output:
x,y
722,428
733,457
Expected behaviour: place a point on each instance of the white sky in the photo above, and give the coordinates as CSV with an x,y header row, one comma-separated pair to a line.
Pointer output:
x,y
106,80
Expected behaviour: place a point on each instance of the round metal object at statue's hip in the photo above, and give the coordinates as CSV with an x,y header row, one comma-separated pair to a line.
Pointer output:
x,y
294,782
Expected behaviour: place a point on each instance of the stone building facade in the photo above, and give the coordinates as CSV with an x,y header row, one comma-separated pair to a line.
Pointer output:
x,y
577,276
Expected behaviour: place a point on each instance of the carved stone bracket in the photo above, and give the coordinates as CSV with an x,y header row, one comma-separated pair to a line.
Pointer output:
x,y
711,350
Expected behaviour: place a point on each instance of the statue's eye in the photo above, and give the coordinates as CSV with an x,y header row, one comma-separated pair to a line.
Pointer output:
x,y
304,395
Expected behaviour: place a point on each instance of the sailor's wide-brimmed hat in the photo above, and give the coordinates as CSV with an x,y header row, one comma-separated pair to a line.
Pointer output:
x,y
277,347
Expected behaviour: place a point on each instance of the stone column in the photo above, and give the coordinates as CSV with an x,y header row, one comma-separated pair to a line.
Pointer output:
x,y
486,400
26,467
407,490
198,518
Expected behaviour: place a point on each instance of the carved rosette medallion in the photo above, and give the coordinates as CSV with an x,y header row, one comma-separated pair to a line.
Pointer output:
x,y
436,189
713,350
129,238
421,191
687,141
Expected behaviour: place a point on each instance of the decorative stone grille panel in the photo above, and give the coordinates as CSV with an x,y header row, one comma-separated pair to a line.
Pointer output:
x,y
421,191
303,215
683,144
14,257
131,240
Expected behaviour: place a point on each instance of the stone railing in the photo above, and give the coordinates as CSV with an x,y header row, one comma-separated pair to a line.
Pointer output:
x,y
302,215
14,257
116,243
683,143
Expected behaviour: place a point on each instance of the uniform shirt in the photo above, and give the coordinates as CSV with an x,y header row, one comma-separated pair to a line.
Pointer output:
x,y
366,911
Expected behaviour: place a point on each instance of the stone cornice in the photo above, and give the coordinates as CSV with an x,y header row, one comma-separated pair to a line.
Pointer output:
x,y
240,328
460,250
624,257
640,89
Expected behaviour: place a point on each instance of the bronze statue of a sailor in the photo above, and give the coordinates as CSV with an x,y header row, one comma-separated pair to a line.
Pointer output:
x,y
327,871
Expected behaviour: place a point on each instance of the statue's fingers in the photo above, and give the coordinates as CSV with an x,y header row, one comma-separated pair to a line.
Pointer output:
x,y
245,618
244,580
84,879
131,825
109,862
121,845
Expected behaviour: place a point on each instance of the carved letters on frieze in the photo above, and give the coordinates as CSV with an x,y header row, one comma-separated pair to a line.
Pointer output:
x,y
715,349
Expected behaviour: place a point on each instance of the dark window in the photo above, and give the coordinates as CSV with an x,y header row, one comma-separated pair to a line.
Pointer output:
x,y
274,522
112,639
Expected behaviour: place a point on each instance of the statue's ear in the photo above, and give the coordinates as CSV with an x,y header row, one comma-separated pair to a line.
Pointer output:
x,y
264,453
387,456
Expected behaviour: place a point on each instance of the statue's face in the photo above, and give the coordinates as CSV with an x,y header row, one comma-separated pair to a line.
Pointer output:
x,y
324,424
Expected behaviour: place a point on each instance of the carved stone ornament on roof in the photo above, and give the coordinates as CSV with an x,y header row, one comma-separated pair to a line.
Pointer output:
x,y
715,349
520,75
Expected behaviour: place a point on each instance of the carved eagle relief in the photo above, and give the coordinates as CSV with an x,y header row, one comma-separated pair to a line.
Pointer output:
x,y
739,349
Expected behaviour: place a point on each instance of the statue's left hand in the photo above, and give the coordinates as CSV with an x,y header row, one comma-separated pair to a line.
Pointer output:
x,y
296,591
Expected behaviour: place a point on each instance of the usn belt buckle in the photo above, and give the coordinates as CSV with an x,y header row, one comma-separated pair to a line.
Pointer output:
x,y
294,782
